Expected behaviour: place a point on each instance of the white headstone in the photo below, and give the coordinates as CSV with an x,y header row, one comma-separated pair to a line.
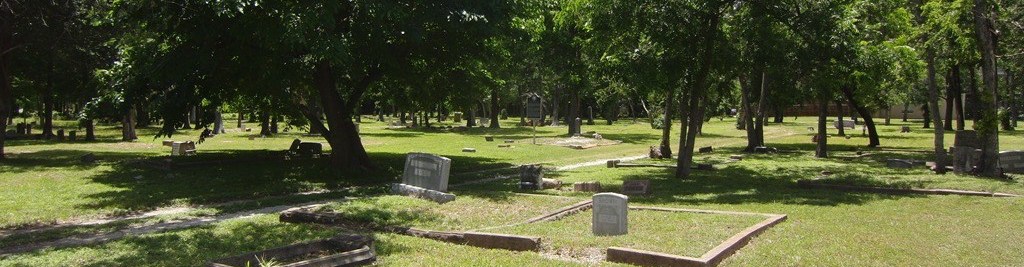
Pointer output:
x,y
427,171
610,214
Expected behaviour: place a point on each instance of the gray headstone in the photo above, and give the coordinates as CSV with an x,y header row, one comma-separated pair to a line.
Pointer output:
x,y
967,138
427,171
610,211
72,135
845,124
636,187
531,177
1012,161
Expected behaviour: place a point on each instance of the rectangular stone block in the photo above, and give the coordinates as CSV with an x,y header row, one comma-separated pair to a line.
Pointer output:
x,y
500,241
636,187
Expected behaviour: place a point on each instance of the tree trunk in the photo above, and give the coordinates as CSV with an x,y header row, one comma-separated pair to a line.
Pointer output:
x,y
273,124
574,112
265,124
821,150
495,109
933,109
873,140
839,117
746,119
698,93
48,112
241,116
471,117
347,149
956,85
906,111
988,131
666,129
927,115
6,97
1006,120
761,103
90,130
218,122
554,109
888,115
128,125
949,106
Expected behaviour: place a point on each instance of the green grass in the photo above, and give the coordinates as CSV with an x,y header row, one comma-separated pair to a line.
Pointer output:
x,y
679,233
44,183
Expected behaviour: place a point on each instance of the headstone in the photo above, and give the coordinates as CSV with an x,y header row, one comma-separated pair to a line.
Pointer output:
x,y
899,163
72,135
531,177
598,137
21,128
962,162
613,163
905,129
1012,161
655,152
636,187
579,126
967,138
427,171
458,117
706,149
610,214
168,143
810,129
294,148
310,149
469,149
60,134
489,138
485,121
845,124
587,187
28,128
765,150
183,148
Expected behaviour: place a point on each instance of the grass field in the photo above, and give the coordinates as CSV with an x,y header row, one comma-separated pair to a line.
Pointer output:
x,y
43,183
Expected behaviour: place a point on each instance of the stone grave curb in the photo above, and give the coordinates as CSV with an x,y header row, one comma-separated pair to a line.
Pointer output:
x,y
711,258
363,254
502,241
812,184
562,212
700,167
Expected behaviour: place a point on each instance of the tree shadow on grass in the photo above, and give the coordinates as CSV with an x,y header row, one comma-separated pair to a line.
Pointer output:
x,y
46,160
140,188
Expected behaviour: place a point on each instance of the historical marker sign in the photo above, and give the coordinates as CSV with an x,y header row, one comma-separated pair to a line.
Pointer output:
x,y
534,108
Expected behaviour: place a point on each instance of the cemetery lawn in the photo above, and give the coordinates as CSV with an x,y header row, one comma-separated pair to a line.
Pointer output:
x,y
44,184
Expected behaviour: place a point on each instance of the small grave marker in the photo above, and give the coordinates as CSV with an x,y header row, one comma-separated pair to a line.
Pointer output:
x,y
905,129
610,214
469,149
845,124
899,164
706,149
489,138
636,187
72,135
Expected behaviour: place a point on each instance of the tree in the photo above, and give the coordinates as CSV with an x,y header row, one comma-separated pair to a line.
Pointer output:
x,y
988,124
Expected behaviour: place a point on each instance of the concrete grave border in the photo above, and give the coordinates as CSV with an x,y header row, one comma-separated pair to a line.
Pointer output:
x,y
530,243
353,250
813,184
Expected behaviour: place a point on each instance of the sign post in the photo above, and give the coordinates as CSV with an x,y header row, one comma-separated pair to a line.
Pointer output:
x,y
535,112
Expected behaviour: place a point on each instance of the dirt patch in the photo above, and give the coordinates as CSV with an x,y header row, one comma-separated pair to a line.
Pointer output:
x,y
577,142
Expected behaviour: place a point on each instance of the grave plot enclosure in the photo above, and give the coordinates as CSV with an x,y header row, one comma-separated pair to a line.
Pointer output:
x,y
342,250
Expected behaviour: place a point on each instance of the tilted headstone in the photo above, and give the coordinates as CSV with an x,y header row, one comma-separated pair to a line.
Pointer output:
x,y
294,148
427,171
636,187
531,177
610,214
1012,161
